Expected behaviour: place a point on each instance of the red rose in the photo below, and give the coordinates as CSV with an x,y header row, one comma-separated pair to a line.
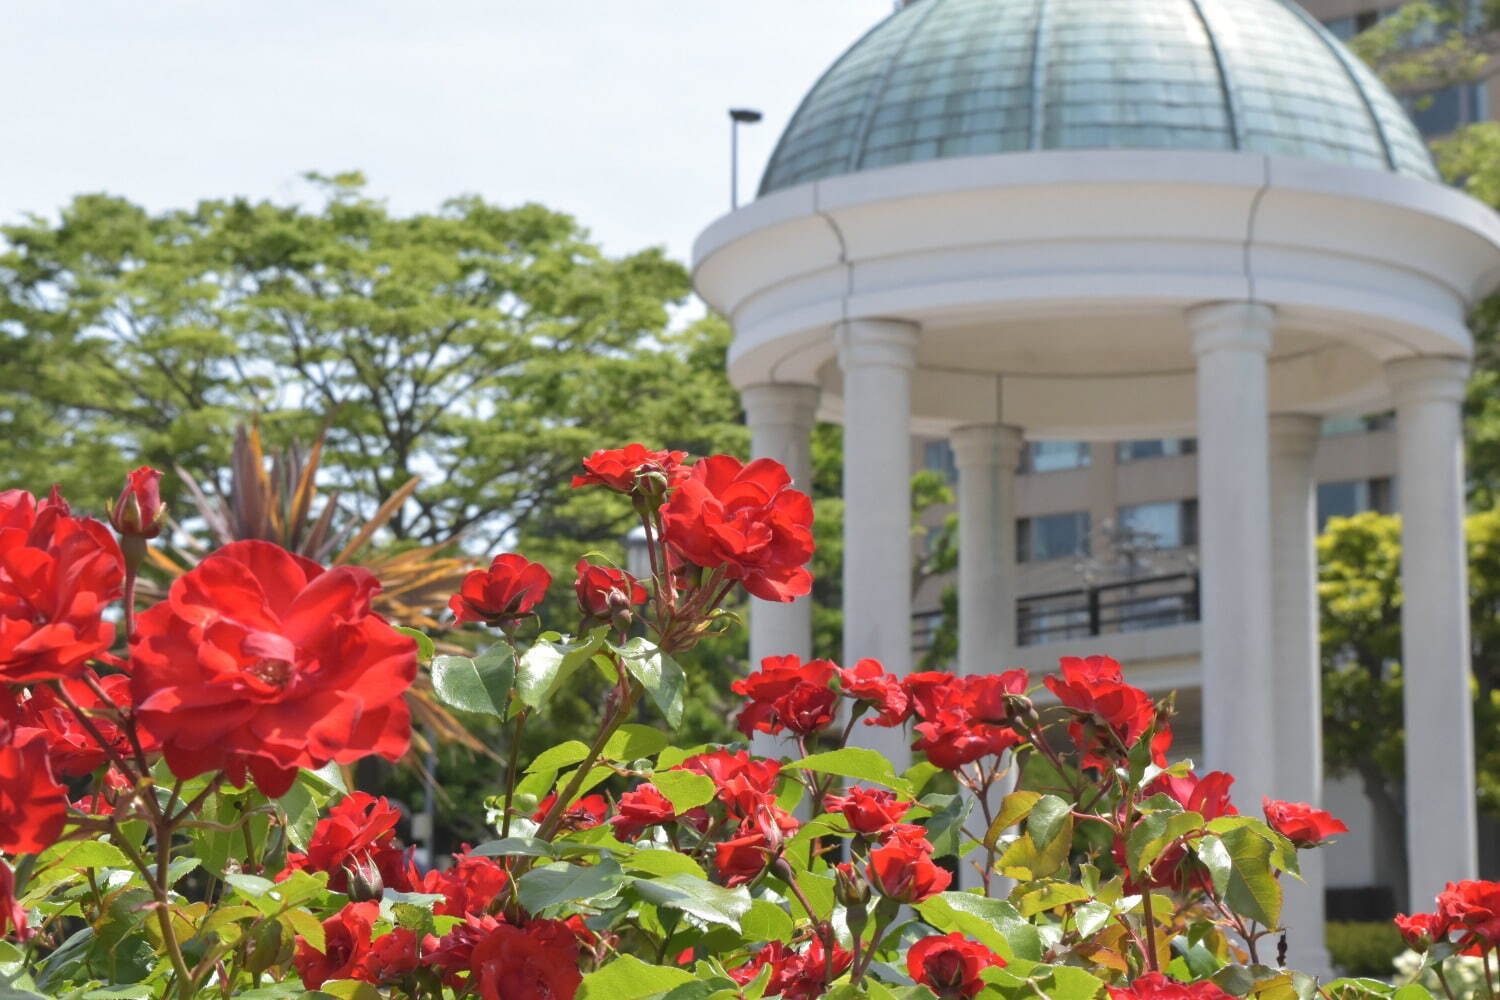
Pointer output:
x,y
726,769
585,814
454,951
992,698
1421,930
602,591
868,682
74,752
638,809
952,739
949,965
1096,687
757,842
33,806
903,870
346,942
1155,986
391,958
1207,796
261,660
745,520
619,469
786,693
869,811
357,838
139,513
500,595
795,976
12,913
1300,823
535,962
468,888
1473,908
57,574
933,691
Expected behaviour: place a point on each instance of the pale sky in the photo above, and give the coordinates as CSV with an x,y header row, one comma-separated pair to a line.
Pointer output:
x,y
612,111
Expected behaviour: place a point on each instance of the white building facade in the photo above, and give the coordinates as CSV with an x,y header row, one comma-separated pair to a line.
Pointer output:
x,y
1002,222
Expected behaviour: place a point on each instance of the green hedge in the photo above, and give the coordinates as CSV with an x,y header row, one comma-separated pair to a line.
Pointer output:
x,y
1364,948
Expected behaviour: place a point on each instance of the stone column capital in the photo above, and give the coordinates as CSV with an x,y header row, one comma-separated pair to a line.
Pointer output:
x,y
1295,434
887,343
980,445
1246,326
792,404
1428,379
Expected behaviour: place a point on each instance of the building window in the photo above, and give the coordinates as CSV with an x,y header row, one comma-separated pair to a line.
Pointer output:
x,y
1055,536
1446,111
1169,525
1134,451
1354,496
1054,456
937,456
1358,425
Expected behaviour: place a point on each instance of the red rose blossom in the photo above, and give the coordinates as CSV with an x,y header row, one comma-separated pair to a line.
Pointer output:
x,y
786,693
869,811
965,718
803,975
346,942
639,808
356,838
868,682
949,965
261,660
1155,986
620,468
33,806
468,887
1421,930
584,814
1472,907
535,962
391,958
139,513
745,520
1300,823
500,595
602,590
1096,687
57,575
902,869
73,750
12,913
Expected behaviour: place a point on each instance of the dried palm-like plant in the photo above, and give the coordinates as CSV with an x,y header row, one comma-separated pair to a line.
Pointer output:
x,y
274,502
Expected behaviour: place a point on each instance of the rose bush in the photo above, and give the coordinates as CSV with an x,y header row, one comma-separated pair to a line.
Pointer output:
x,y
176,820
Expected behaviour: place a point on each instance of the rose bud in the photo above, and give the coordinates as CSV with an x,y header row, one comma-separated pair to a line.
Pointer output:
x,y
364,880
139,512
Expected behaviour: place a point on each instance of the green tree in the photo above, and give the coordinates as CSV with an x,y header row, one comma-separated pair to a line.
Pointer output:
x,y
1359,596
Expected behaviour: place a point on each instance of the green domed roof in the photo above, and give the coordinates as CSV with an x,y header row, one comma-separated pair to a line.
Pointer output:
x,y
945,78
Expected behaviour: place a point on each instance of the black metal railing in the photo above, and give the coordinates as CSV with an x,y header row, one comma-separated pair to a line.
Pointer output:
x,y
1125,606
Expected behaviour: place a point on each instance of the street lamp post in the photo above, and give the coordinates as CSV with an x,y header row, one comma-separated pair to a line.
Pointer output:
x,y
737,117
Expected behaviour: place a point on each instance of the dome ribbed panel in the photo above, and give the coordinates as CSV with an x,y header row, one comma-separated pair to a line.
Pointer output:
x,y
949,78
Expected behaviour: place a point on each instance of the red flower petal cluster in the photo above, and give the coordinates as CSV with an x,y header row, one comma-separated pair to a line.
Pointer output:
x,y
1096,688
902,868
1421,930
1155,986
500,595
950,964
261,660
1472,908
536,962
868,683
347,938
745,520
1178,868
803,975
1300,823
33,806
57,574
585,814
602,590
74,752
869,811
139,513
965,718
12,913
641,807
358,835
786,693
468,887
621,468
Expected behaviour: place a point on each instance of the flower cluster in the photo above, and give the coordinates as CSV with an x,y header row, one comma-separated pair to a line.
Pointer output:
x,y
1467,916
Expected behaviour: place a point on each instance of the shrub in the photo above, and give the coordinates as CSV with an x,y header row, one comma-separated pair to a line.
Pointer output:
x,y
1364,947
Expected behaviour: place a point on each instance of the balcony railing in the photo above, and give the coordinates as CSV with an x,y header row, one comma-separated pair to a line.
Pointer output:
x,y
1125,606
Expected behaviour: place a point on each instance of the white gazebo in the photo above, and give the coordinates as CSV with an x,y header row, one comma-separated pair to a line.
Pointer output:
x,y
1111,219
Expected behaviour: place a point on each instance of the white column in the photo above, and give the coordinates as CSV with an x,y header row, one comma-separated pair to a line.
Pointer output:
x,y
878,357
1296,675
986,456
1231,341
1441,821
780,417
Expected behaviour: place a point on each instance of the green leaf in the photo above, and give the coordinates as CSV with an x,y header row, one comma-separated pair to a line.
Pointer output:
x,y
562,882
855,762
481,686
635,742
1050,816
424,643
685,789
1240,863
309,927
557,757
1014,808
85,854
945,828
1154,834
512,847
656,861
994,922
1048,896
628,978
300,807
1089,917
658,673
765,921
697,896
547,664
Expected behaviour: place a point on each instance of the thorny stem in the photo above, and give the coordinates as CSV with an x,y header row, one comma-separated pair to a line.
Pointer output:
x,y
1151,960
1443,980
821,928
510,770
128,601
630,692
1489,977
